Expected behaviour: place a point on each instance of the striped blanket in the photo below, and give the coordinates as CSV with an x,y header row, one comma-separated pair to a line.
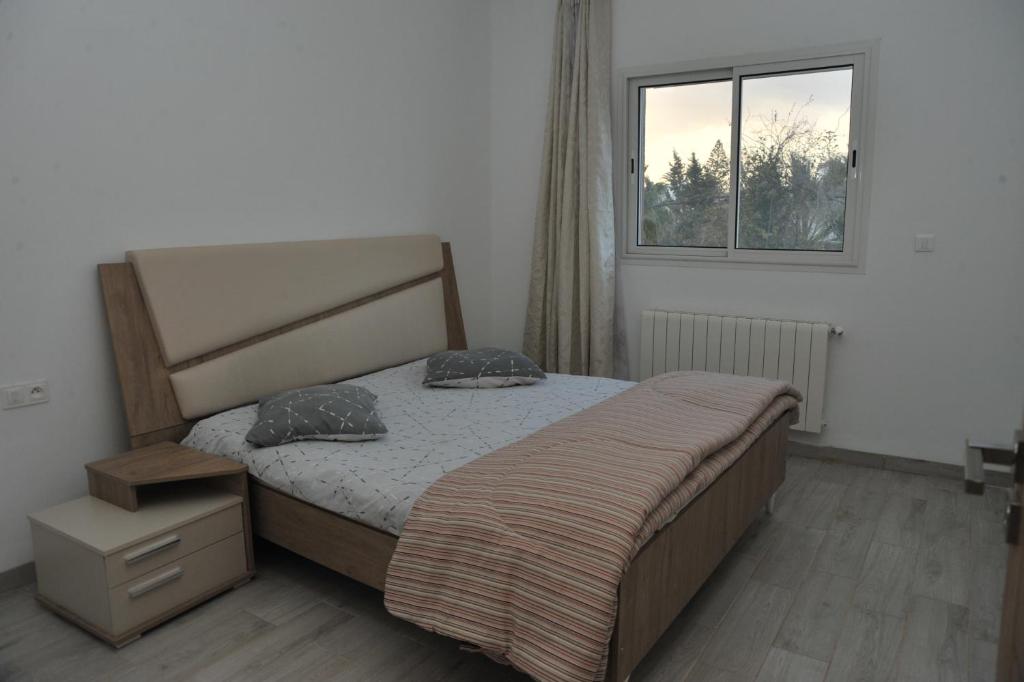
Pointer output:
x,y
521,552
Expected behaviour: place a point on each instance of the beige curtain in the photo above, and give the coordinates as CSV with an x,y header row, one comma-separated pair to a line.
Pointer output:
x,y
569,321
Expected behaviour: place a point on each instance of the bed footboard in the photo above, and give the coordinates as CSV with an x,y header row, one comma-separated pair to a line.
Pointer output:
x,y
674,564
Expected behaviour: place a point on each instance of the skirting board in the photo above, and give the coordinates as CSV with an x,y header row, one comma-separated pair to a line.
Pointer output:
x,y
19,576
892,463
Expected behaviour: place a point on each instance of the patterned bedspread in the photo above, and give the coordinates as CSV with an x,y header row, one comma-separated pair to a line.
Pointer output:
x,y
431,431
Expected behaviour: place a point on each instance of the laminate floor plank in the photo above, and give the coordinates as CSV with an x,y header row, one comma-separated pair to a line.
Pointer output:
x,y
935,644
38,645
845,546
947,514
816,618
867,648
943,570
742,641
981,661
840,473
865,494
381,649
16,607
68,656
813,505
707,673
785,666
187,644
269,649
985,590
791,559
901,521
475,668
929,488
885,581
283,603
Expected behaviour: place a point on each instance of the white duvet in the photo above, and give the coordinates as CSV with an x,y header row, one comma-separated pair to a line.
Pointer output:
x,y
431,431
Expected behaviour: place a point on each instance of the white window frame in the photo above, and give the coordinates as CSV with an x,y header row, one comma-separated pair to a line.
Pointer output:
x,y
863,58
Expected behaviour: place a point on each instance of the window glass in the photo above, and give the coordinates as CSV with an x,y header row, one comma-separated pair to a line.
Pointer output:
x,y
685,155
794,140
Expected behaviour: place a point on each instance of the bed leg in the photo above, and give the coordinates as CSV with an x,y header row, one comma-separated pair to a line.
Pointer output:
x,y
769,507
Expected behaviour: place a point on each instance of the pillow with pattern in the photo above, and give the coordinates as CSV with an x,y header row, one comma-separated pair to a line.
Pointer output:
x,y
334,412
482,368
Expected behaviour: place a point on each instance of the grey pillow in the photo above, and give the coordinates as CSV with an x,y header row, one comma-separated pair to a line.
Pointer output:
x,y
336,412
483,368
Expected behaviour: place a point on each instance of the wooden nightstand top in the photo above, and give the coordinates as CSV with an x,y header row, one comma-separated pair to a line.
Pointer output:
x,y
116,479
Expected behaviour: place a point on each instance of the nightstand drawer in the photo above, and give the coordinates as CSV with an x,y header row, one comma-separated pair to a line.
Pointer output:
x,y
152,595
147,555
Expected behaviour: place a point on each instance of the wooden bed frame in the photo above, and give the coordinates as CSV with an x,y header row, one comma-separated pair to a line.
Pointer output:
x,y
662,578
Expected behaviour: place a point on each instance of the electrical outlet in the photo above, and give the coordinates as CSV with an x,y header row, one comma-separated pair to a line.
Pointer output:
x,y
23,395
924,243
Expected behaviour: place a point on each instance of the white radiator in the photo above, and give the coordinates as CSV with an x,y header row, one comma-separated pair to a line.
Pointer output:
x,y
796,352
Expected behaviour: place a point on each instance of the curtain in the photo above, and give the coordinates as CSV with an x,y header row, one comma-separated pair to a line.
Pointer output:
x,y
570,316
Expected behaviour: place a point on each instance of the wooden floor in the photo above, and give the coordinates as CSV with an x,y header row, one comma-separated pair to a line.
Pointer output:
x,y
861,574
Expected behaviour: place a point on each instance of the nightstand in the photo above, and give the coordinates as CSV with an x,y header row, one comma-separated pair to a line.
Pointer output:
x,y
165,528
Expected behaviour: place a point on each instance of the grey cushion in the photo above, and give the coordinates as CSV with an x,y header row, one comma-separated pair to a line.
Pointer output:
x,y
482,368
338,412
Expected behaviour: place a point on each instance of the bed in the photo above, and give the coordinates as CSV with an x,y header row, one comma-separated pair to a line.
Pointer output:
x,y
204,331
430,433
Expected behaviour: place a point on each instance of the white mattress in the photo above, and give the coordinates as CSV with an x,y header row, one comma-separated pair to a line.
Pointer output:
x,y
431,431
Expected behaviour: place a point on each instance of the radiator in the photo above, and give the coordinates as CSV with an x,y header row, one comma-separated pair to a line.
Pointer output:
x,y
796,352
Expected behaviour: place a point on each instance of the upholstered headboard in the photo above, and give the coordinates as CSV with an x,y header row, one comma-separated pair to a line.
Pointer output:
x,y
197,330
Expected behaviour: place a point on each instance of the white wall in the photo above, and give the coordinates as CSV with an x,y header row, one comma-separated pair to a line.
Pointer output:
x,y
522,32
934,349
145,123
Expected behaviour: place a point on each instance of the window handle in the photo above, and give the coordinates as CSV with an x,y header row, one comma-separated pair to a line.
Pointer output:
x,y
854,159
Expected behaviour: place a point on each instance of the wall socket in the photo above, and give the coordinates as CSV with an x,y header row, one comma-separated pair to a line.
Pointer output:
x,y
23,395
924,243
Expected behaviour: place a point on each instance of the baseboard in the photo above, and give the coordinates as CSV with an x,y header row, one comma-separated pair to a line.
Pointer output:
x,y
892,463
19,576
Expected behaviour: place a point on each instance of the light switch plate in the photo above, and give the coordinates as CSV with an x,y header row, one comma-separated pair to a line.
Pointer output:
x,y
23,395
924,243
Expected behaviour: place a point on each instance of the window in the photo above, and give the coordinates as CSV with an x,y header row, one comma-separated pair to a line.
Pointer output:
x,y
750,161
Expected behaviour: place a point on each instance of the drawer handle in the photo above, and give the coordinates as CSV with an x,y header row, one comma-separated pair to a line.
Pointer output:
x,y
155,582
146,552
